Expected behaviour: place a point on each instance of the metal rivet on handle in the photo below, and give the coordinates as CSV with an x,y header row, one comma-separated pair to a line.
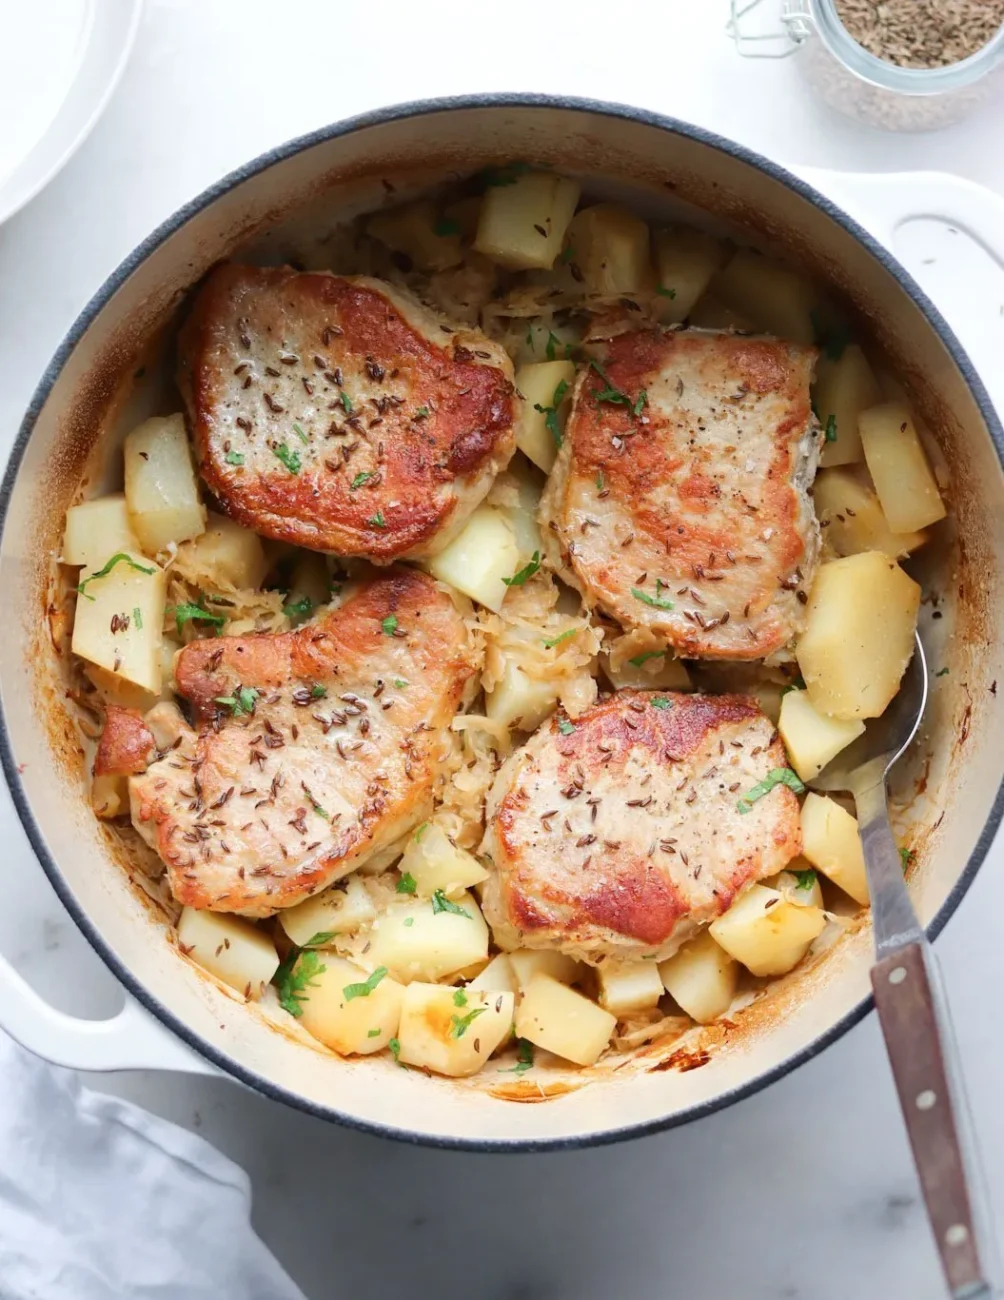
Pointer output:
x,y
956,1234
926,1099
897,975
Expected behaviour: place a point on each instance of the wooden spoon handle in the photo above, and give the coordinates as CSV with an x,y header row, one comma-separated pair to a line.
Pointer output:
x,y
918,1041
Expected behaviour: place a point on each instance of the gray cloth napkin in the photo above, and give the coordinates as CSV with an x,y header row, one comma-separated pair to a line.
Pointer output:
x,y
101,1201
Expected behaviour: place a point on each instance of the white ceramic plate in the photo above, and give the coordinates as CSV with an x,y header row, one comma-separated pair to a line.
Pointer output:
x,y
60,60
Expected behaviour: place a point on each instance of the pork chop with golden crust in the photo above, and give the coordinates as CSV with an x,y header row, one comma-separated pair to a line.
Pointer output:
x,y
312,750
621,834
341,414
679,500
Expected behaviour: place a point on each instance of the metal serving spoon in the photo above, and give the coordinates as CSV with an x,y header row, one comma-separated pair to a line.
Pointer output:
x,y
911,1006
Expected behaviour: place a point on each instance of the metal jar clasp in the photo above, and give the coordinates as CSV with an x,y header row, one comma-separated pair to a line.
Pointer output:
x,y
796,25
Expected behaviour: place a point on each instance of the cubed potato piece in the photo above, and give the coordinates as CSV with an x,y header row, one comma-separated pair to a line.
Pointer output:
x,y
810,737
161,490
832,843
711,313
523,224
523,515
350,1011
557,1018
610,246
424,940
341,909
130,597
480,558
627,986
520,701
109,795
310,586
701,978
852,520
529,962
433,242
225,554
685,261
497,977
765,932
899,469
776,300
799,884
96,530
452,1031
232,949
434,862
116,690
859,634
547,390
656,670
843,389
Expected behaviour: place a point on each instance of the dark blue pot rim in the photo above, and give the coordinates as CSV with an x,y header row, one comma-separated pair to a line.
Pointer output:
x,y
364,121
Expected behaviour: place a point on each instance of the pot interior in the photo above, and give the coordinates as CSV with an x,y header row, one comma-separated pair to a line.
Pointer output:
x,y
115,368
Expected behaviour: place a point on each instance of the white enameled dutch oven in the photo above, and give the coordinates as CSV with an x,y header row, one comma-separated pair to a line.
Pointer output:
x,y
949,796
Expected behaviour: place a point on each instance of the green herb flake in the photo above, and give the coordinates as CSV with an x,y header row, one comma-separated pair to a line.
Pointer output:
x,y
641,403
552,641
373,1033
565,727
422,413
290,459
318,692
552,342
241,702
377,520
319,939
567,253
657,602
906,857
395,1048
797,685
460,998
365,987
420,832
445,227
296,974
664,292
188,613
119,557
407,884
440,903
529,337
600,482
519,578
299,433
459,1025
400,683
363,477
137,618
550,413
321,812
234,458
806,879
942,672
778,776
831,428
660,702
408,922
389,624
638,660
524,1058
346,402
298,608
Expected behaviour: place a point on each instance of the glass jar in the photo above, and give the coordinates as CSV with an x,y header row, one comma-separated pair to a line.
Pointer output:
x,y
862,86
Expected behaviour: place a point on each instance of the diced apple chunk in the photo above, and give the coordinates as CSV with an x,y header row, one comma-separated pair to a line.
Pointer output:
x,y
519,701
898,465
226,554
424,940
97,529
162,492
627,986
480,558
452,1031
528,962
649,671
233,950
522,224
844,388
810,737
119,619
701,978
557,1018
416,229
832,843
711,313
765,932
547,389
110,795
341,909
776,300
435,863
852,520
859,634
610,247
497,977
685,261
523,515
350,1011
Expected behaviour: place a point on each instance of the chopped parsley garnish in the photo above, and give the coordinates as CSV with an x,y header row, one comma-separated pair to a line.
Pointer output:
x,y
638,660
440,903
422,413
550,413
666,293
188,613
389,624
296,974
797,685
831,428
640,403
407,884
551,641
906,856
657,602
298,608
408,922
319,939
660,702
395,1048
942,672
234,458
529,337
779,776
524,1058
137,618
321,812
317,691
527,571
445,227
806,879
567,253
363,477
377,520
373,1033
119,558
400,683
507,174
299,433
290,459
459,1025
460,998
600,482
346,402
365,987
609,394
565,727
241,702
420,832
552,342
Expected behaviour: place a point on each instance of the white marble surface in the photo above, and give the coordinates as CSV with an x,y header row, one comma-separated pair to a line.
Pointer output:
x,y
803,1191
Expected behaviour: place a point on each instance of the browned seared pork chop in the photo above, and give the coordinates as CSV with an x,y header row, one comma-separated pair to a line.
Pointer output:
x,y
313,750
623,836
126,744
341,414
679,500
